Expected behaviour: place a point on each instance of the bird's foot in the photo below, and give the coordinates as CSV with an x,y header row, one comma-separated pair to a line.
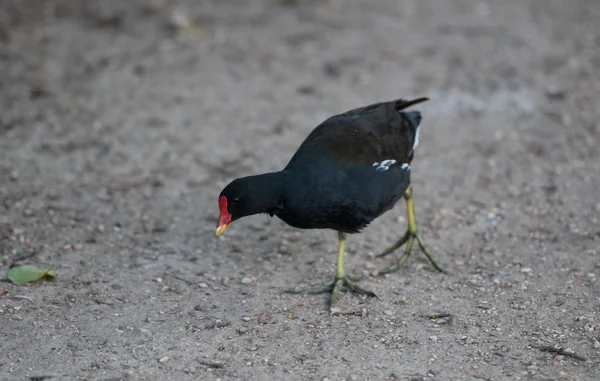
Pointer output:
x,y
408,238
334,286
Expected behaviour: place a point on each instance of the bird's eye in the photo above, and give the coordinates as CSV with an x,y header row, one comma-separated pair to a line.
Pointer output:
x,y
236,200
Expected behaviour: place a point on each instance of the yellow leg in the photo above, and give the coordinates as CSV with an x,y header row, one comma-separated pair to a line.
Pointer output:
x,y
341,280
408,238
340,270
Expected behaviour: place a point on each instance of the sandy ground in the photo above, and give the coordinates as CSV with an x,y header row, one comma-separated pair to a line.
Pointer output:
x,y
117,133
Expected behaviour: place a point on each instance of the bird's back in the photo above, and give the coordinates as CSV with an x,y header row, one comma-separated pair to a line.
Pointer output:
x,y
363,135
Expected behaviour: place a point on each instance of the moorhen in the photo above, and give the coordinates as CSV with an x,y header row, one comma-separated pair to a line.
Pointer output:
x,y
351,169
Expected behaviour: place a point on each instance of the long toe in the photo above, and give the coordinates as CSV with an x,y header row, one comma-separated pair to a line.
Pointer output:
x,y
335,287
409,239
407,250
428,255
359,290
395,246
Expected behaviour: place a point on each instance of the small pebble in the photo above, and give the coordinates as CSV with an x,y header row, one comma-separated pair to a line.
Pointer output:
x,y
388,312
433,338
296,237
246,318
203,285
526,270
246,280
596,343
163,359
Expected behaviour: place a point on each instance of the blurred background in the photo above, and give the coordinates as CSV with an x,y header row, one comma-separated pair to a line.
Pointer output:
x,y
121,121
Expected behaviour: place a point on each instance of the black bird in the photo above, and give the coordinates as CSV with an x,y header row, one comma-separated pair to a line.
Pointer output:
x,y
351,169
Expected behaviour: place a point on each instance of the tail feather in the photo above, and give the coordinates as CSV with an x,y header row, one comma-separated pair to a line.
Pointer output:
x,y
398,105
401,104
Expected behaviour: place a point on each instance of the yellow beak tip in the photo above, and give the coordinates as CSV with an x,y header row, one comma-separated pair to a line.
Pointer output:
x,y
221,229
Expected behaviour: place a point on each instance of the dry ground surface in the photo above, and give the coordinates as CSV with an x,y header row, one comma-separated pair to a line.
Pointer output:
x,y
119,125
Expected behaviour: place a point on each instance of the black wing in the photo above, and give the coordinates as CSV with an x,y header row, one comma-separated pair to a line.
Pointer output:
x,y
363,135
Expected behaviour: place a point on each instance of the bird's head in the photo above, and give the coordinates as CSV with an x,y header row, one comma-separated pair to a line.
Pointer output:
x,y
247,196
234,202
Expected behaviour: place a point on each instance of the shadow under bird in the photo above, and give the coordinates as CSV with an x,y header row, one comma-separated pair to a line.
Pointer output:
x,y
350,170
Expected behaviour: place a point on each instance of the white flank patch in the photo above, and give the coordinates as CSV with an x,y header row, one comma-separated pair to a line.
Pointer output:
x,y
416,143
384,165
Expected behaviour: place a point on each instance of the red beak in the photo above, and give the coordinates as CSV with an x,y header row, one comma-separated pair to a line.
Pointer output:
x,y
224,217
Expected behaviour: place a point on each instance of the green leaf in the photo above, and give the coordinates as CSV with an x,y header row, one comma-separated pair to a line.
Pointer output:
x,y
20,275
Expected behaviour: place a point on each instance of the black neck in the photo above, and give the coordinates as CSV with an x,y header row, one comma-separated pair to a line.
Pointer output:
x,y
269,191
